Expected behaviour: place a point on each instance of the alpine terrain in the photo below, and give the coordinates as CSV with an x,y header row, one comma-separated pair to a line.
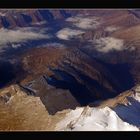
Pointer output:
x,y
70,70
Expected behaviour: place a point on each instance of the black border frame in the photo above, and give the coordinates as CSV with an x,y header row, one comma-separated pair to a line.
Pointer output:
x,y
42,135
64,4
69,3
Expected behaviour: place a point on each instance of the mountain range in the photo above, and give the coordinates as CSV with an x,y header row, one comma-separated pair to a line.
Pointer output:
x,y
61,67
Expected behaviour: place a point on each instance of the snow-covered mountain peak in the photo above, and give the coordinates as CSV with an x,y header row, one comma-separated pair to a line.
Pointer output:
x,y
104,119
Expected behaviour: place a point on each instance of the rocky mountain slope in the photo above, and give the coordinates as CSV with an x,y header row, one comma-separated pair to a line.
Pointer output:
x,y
66,69
20,111
116,114
27,17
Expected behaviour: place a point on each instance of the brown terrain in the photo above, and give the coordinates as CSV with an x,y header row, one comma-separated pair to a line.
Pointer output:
x,y
27,17
47,82
20,111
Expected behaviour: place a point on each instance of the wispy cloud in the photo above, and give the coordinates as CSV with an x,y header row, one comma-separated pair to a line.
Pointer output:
x,y
88,22
107,44
20,35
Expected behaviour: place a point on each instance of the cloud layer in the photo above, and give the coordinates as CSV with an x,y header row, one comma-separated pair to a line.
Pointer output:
x,y
20,35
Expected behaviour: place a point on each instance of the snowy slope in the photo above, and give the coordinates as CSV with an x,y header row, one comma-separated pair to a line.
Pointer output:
x,y
120,118
94,120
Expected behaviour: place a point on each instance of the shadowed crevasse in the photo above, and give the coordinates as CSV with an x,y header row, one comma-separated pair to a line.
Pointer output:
x,y
88,92
6,73
10,73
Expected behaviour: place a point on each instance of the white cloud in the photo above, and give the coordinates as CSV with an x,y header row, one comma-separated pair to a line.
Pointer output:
x,y
107,44
88,22
67,33
20,35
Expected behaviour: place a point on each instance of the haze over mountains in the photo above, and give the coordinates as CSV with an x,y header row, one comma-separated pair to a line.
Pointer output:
x,y
63,61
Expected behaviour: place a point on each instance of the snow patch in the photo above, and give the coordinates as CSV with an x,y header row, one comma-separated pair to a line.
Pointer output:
x,y
55,44
16,46
39,23
137,95
111,28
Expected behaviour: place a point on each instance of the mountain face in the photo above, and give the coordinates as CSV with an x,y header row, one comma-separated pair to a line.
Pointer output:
x,y
66,69
70,62
26,17
20,111
115,114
